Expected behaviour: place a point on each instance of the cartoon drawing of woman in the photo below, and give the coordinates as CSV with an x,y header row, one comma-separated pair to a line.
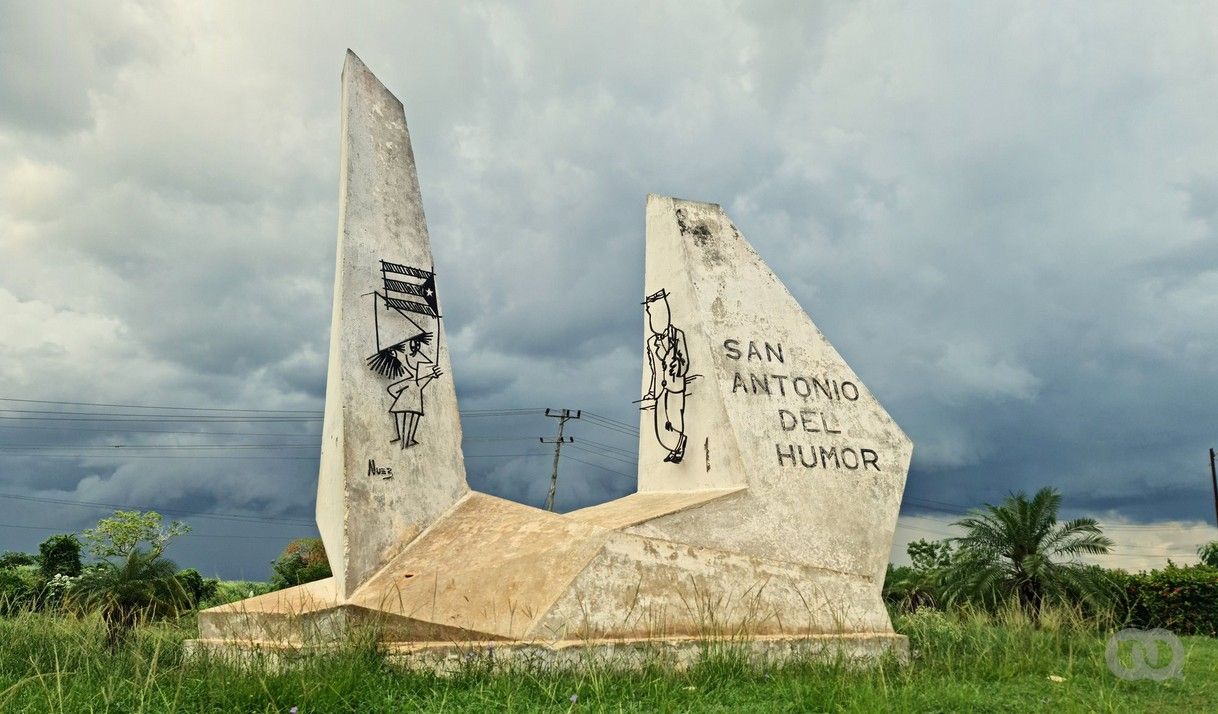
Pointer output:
x,y
407,393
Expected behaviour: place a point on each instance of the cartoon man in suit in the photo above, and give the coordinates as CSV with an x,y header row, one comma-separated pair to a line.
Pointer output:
x,y
668,361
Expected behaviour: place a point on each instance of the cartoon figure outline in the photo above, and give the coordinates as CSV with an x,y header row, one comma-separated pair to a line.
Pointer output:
x,y
405,358
668,363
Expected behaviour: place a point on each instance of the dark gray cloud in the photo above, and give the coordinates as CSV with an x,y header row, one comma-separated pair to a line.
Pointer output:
x,y
1004,218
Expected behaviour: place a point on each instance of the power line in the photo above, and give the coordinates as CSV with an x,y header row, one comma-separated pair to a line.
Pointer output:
x,y
614,426
157,431
128,447
166,511
605,468
610,447
185,535
77,457
600,417
315,412
163,407
602,455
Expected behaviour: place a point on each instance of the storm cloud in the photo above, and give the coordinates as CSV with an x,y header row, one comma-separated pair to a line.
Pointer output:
x,y
1004,217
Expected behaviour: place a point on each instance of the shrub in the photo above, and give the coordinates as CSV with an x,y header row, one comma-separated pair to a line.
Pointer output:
x,y
14,559
910,587
303,561
1209,554
198,588
233,590
1019,549
59,555
1183,600
140,588
18,590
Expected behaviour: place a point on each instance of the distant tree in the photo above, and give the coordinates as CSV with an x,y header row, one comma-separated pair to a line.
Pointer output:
x,y
197,587
18,589
919,584
303,561
929,554
131,582
1018,549
59,555
14,559
127,531
1209,554
140,587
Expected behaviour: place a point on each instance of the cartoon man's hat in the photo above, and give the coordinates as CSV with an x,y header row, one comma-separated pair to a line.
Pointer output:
x,y
657,295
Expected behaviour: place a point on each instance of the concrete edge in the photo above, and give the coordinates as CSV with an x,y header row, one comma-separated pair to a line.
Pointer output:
x,y
855,649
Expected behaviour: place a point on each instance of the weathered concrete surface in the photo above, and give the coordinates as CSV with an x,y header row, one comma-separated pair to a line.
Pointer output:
x,y
641,507
444,658
364,518
491,569
491,566
773,393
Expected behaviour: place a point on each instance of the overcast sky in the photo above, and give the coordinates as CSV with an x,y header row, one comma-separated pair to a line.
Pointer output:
x,y
1003,215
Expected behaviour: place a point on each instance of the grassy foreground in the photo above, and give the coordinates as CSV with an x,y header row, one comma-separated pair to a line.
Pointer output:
x,y
961,663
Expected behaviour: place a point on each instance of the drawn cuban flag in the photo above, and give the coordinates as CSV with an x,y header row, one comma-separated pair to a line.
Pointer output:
x,y
409,289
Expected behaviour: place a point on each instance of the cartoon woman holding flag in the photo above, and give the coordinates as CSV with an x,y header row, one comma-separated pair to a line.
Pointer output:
x,y
405,359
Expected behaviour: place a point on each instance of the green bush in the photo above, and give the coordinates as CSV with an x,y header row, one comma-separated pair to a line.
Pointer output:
x,y
1209,554
18,590
303,561
233,590
198,588
14,559
1183,600
59,555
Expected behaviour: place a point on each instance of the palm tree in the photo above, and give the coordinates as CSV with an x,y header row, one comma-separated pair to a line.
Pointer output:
x,y
1019,549
140,587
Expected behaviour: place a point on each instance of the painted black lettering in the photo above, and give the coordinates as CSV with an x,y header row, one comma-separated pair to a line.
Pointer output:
x,y
753,351
872,462
780,379
807,465
783,415
738,383
789,455
764,382
822,387
731,347
806,391
772,353
853,389
805,416
826,454
848,456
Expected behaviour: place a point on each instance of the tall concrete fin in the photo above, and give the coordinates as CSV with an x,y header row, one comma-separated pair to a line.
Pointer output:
x,y
391,460
748,392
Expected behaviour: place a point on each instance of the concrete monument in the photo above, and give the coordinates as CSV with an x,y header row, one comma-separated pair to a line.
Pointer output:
x,y
769,476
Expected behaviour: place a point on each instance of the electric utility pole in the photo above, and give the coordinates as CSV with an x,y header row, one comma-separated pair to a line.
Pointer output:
x,y
1214,483
562,415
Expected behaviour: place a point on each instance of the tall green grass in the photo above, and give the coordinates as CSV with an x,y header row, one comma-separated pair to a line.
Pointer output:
x,y
962,661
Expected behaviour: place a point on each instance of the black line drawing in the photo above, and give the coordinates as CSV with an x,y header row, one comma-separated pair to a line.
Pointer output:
x,y
668,361
405,358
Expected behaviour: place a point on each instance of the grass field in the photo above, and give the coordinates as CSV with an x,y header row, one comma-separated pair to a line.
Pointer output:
x,y
960,663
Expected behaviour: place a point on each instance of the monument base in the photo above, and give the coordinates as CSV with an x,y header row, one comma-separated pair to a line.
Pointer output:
x,y
677,653
499,580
